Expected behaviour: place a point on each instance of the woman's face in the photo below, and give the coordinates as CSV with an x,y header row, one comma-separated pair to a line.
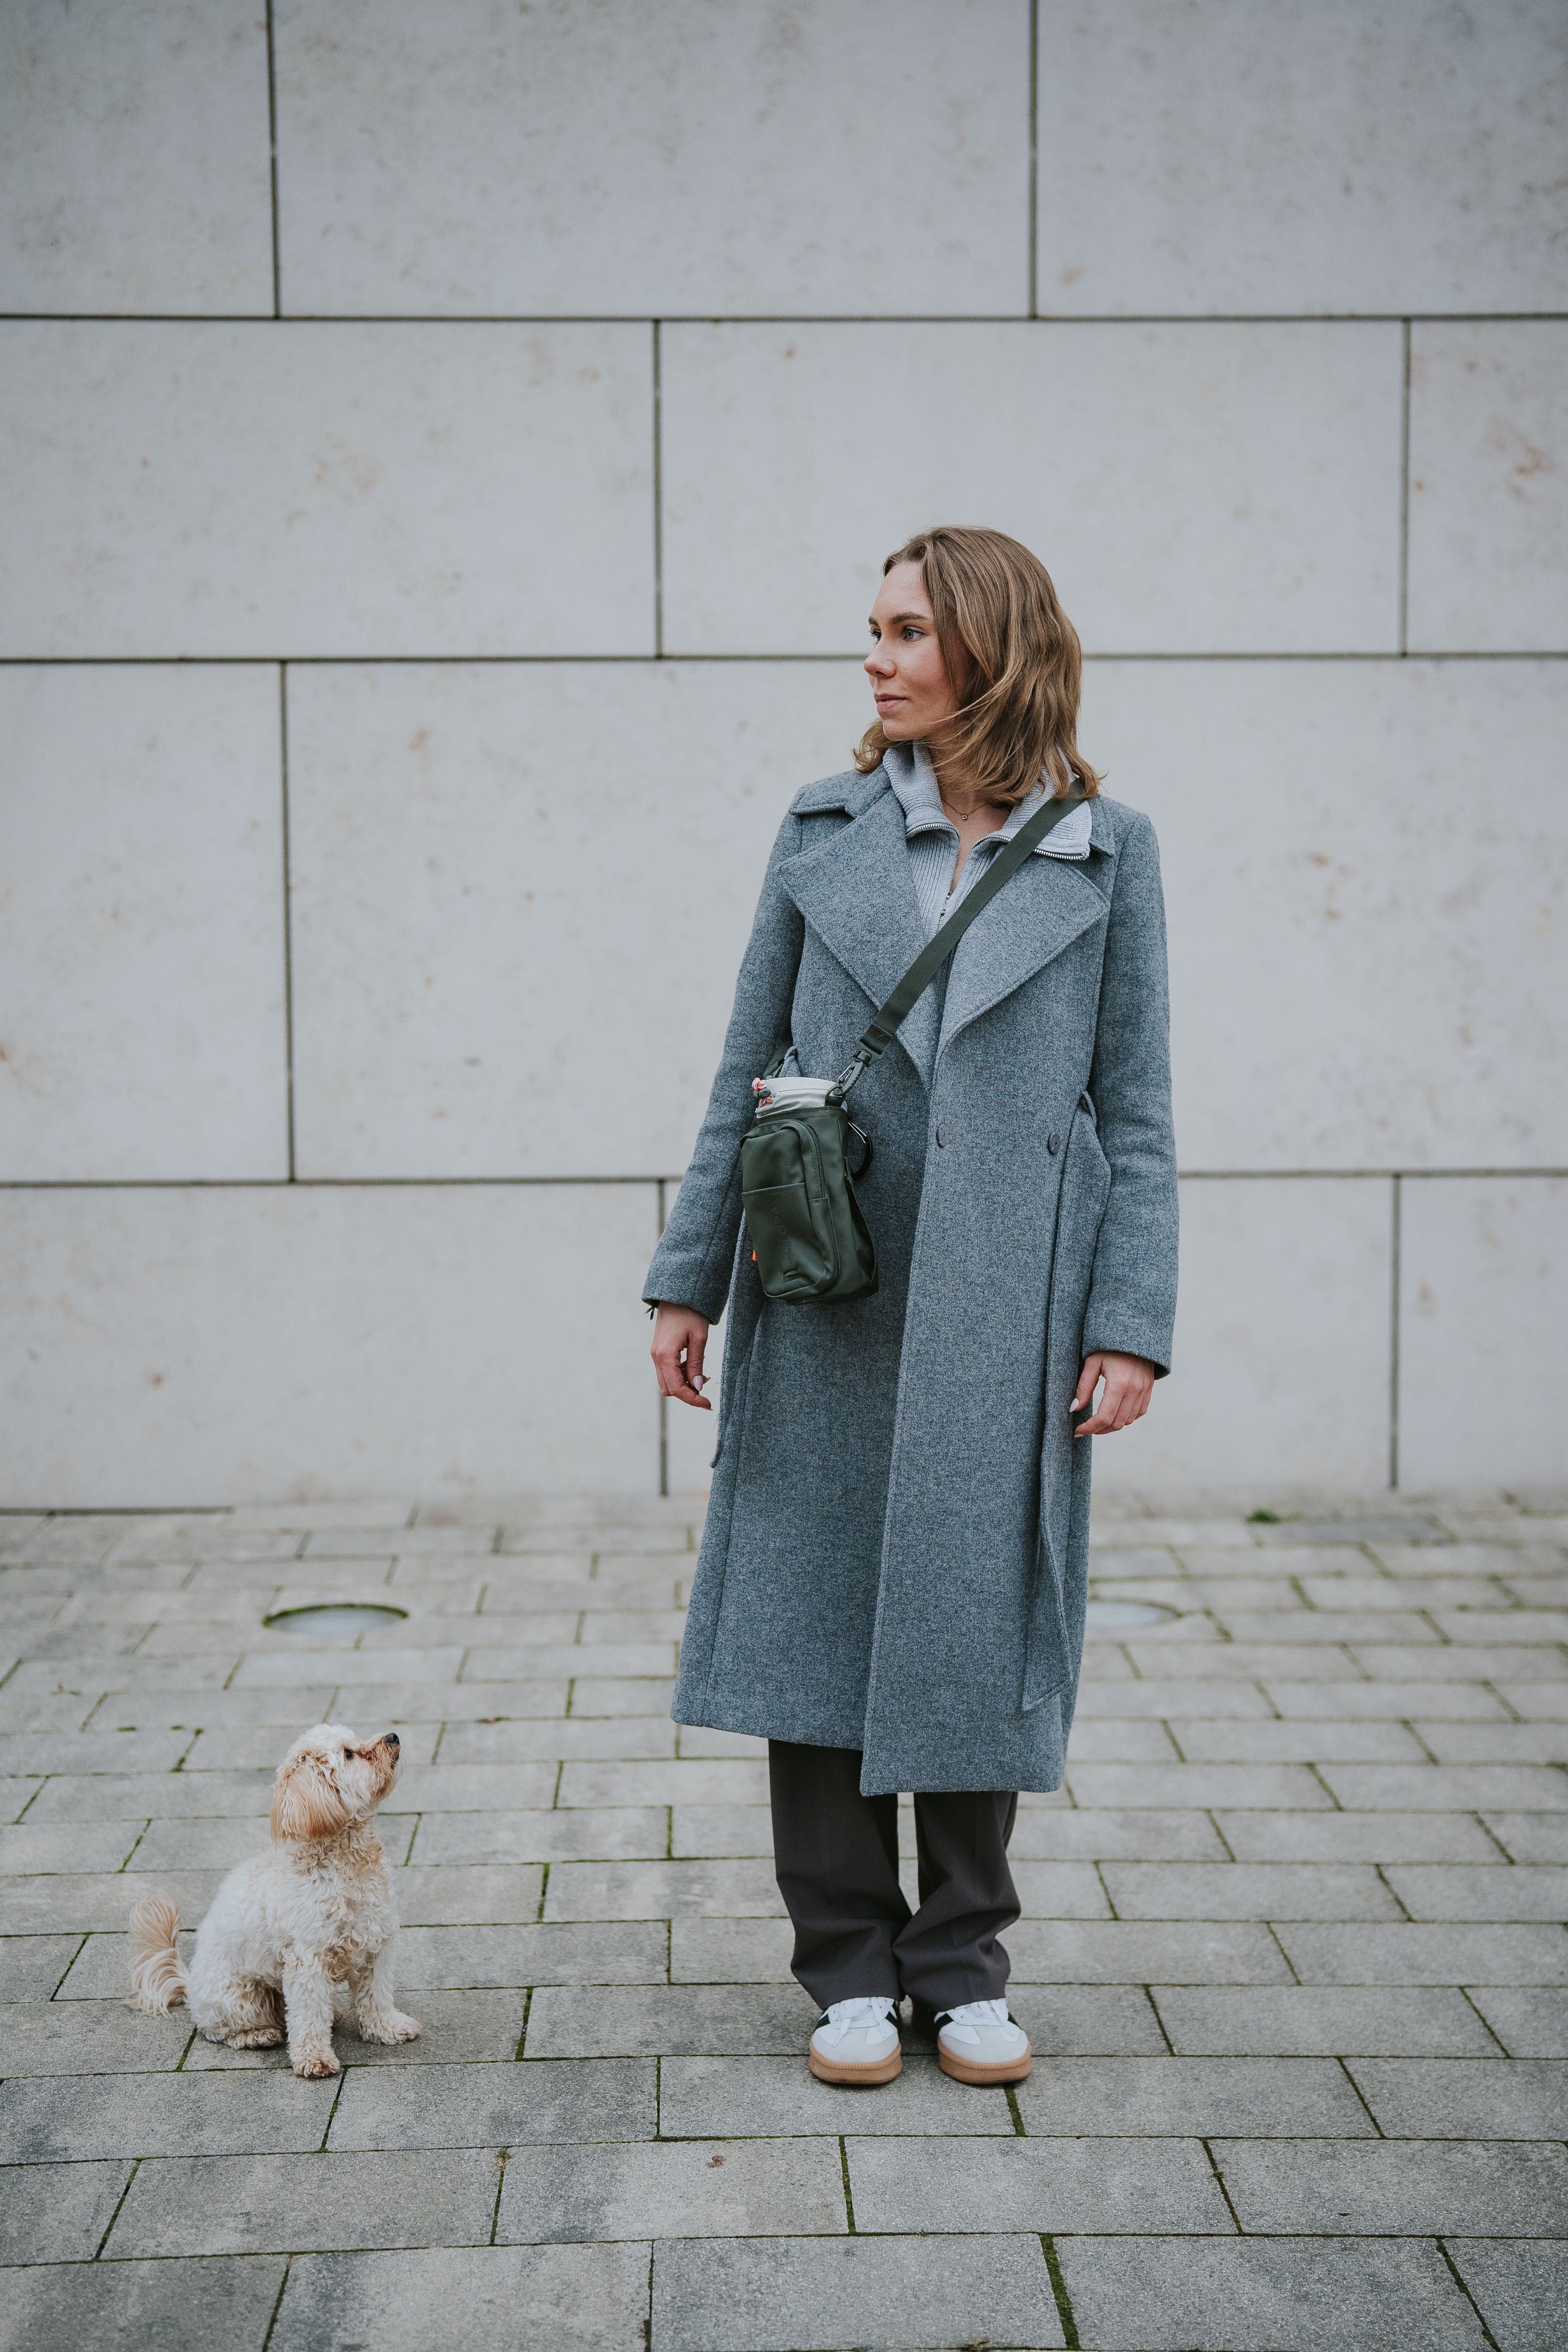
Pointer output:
x,y
905,666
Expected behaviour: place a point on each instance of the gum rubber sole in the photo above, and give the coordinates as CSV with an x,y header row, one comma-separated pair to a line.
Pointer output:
x,y
865,2077
964,2070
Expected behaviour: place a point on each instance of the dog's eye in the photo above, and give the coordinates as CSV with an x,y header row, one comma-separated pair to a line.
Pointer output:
x,y
347,1754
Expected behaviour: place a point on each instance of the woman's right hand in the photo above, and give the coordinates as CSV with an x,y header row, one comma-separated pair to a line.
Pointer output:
x,y
680,1337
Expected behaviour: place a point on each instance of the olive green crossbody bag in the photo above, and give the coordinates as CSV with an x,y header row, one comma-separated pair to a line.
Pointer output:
x,y
809,1235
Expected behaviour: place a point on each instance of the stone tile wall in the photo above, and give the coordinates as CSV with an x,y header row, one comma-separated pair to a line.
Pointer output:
x,y
451,453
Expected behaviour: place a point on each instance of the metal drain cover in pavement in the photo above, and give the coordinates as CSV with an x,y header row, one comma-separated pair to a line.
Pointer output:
x,y
1122,1616
333,1617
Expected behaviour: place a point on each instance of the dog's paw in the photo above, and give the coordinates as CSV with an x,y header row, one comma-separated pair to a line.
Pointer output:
x,y
391,2026
316,2062
265,2037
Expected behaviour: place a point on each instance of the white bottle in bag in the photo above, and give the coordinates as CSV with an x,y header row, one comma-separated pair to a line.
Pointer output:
x,y
791,1092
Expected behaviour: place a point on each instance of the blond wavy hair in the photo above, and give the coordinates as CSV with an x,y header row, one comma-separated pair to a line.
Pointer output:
x,y
1002,630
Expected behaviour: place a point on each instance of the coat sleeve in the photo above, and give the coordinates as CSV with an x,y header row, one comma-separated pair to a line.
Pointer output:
x,y
692,1263
1132,1292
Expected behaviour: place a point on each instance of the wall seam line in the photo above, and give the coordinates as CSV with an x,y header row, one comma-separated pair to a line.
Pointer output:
x,y
1396,1242
326,1183
1404,501
288,913
272,165
663,1399
1034,158
783,318
1432,657
1534,1175
658,496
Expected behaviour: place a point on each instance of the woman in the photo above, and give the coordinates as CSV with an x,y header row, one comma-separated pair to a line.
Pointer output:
x,y
892,1581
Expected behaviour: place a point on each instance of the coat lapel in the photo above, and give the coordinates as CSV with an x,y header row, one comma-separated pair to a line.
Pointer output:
x,y
856,894
1040,911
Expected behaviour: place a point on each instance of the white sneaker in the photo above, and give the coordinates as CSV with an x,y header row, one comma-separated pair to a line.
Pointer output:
x,y
978,2042
856,2042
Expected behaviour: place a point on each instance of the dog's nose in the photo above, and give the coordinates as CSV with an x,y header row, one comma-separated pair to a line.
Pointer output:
x,y
390,1739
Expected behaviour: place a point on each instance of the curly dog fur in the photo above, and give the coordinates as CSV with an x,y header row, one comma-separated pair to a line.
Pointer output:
x,y
289,1929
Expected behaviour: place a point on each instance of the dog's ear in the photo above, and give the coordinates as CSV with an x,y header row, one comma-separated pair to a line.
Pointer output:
x,y
305,1800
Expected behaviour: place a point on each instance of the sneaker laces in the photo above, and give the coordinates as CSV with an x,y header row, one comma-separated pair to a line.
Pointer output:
x,y
971,2020
979,2012
861,2015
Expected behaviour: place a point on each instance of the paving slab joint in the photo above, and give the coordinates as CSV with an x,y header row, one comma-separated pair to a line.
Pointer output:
x,y
1148,1992
1212,1817
1060,2290
1465,1995
1488,1832
1219,2182
848,2193
1345,2070
1459,2281
114,2217
1381,1872
277,2301
1273,1934
339,2087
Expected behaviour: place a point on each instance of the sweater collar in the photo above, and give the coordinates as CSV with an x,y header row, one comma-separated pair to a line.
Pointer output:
x,y
913,780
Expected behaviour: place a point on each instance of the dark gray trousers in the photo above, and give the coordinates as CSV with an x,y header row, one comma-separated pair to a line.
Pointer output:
x,y
835,1855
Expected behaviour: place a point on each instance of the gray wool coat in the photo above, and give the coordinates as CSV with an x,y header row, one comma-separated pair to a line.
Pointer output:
x,y
896,1554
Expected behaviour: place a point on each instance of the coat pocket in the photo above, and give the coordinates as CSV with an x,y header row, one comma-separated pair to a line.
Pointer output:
x,y
1055,1624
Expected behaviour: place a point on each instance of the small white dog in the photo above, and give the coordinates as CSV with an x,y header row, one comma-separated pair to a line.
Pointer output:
x,y
285,1929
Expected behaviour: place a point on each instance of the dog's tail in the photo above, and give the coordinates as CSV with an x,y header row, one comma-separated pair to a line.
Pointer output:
x,y
157,1977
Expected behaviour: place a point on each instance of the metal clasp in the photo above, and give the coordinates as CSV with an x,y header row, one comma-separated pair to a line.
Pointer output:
x,y
848,1077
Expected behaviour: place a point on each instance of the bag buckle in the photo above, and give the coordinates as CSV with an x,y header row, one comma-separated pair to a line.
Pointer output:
x,y
851,1076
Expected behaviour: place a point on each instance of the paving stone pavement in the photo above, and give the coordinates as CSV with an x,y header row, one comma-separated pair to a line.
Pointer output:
x,y
1293,1955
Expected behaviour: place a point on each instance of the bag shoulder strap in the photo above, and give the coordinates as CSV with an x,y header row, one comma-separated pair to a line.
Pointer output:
x,y
879,1033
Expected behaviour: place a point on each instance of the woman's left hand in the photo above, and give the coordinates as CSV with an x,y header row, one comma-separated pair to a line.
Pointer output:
x,y
1129,1383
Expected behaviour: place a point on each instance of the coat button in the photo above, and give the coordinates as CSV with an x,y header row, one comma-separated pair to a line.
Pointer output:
x,y
1052,1143
941,1133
